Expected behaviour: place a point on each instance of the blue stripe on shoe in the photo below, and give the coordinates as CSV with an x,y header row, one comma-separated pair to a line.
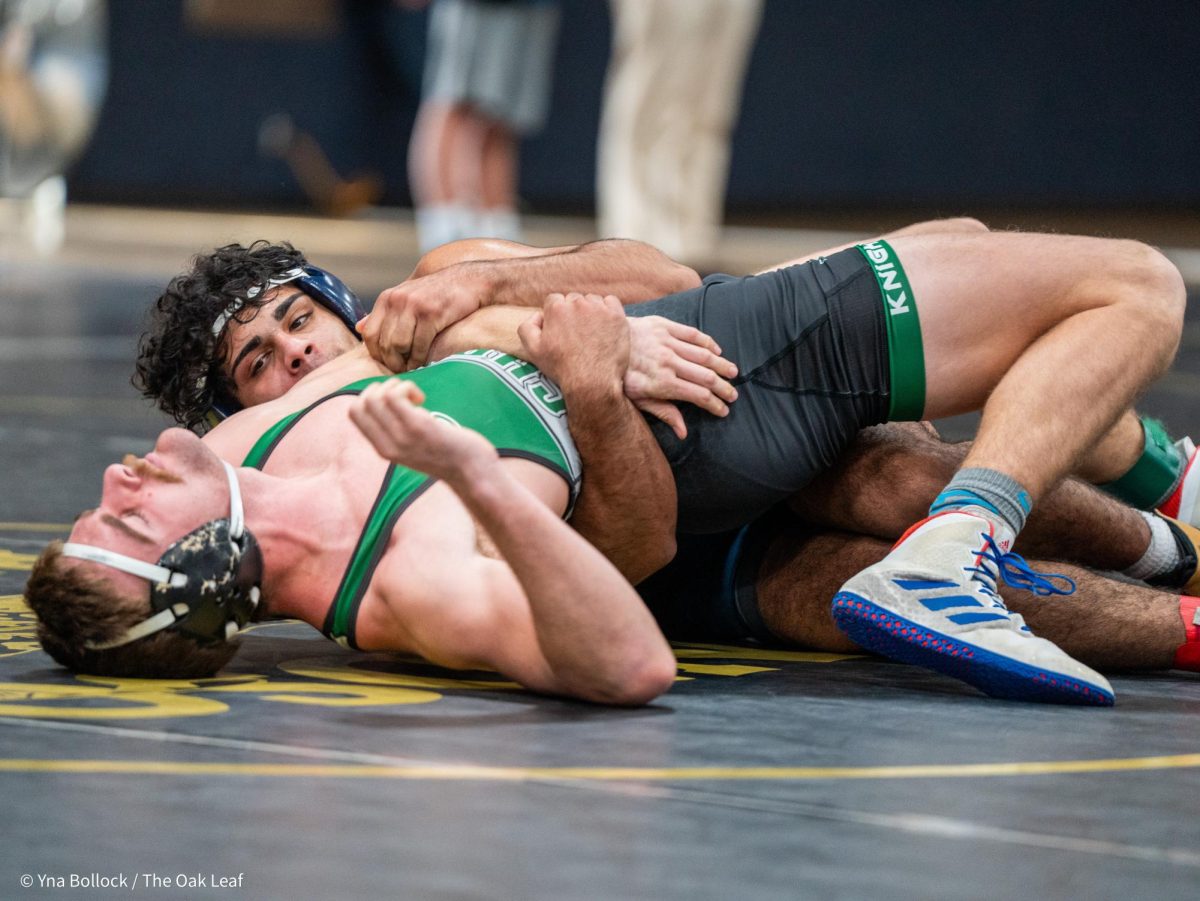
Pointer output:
x,y
922,585
966,619
957,600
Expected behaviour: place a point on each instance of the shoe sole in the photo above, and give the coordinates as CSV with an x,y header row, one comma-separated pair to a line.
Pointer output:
x,y
878,630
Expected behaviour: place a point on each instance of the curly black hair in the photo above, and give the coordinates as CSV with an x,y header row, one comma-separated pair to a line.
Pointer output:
x,y
179,358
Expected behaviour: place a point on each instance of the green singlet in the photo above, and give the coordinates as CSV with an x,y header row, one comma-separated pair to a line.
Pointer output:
x,y
505,399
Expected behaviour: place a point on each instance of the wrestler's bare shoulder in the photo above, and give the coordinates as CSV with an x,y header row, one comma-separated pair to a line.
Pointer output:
x,y
233,438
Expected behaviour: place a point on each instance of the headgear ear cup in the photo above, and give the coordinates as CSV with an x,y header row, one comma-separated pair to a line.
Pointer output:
x,y
333,294
223,574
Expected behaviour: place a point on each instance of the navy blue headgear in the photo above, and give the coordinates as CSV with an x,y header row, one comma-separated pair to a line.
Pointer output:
x,y
324,287
331,292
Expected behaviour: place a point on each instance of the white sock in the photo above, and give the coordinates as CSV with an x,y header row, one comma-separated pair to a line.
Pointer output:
x,y
499,222
1161,556
441,223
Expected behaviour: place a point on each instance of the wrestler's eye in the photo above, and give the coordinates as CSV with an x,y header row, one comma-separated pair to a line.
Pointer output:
x,y
258,364
300,321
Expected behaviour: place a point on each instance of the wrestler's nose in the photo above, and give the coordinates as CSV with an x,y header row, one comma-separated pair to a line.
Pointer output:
x,y
300,356
120,478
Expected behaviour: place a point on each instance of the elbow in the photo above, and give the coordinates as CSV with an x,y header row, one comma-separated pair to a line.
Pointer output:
x,y
655,555
666,551
667,275
641,683
678,277
450,254
656,678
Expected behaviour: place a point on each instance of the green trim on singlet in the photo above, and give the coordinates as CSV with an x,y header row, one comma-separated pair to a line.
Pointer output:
x,y
401,486
906,353
475,390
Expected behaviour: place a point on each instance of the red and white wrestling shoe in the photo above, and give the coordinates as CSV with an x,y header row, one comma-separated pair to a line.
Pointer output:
x,y
1184,502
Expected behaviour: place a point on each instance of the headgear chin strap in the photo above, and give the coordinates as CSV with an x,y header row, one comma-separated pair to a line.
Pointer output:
x,y
324,287
205,585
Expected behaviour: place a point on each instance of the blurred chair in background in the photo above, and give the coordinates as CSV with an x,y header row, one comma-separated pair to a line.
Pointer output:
x,y
53,73
671,98
487,81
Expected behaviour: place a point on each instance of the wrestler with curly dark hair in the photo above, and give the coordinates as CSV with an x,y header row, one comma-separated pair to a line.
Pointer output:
x,y
180,358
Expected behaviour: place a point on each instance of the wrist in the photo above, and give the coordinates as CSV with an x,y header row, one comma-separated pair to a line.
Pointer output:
x,y
475,478
604,394
487,283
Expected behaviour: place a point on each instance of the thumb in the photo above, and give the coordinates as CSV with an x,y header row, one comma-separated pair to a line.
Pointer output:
x,y
530,333
666,412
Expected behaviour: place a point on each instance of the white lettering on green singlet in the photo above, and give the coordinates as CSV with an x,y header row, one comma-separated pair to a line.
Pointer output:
x,y
535,384
891,282
906,354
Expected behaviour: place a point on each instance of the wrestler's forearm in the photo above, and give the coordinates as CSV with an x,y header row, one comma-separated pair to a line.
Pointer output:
x,y
597,637
627,506
494,328
469,250
631,270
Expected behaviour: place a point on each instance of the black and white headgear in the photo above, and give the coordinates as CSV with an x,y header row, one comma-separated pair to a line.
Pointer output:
x,y
205,586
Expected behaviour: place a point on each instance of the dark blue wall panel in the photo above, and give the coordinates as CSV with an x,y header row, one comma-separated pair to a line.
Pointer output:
x,y
872,103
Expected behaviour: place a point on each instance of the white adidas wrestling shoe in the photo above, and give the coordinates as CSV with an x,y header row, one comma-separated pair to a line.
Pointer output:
x,y
932,602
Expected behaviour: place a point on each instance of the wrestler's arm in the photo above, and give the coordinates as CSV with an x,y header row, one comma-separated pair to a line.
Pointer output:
x,y
668,362
470,250
406,318
556,615
627,505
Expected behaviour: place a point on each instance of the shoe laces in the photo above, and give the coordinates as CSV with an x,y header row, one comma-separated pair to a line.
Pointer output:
x,y
1014,571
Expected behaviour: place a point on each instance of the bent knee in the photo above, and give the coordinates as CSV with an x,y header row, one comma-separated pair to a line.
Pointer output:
x,y
1156,286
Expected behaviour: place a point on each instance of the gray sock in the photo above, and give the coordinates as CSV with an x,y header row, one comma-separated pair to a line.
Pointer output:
x,y
989,489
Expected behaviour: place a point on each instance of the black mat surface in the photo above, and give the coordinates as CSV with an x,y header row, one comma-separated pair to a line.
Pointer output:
x,y
307,771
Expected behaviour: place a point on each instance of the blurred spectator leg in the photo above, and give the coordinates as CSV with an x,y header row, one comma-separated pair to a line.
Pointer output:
x,y
671,98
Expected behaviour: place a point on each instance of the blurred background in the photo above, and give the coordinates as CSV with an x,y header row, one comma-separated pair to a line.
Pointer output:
x,y
1072,115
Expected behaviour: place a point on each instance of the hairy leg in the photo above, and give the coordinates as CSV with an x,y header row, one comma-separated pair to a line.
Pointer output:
x,y
888,478
1107,623
1006,320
